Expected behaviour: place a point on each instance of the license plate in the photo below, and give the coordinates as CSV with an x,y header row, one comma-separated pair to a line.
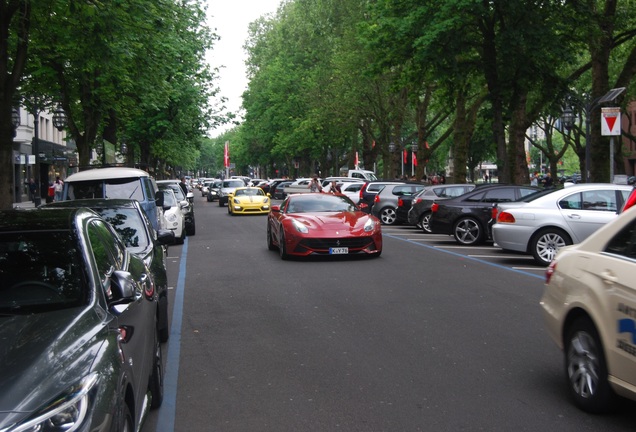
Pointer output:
x,y
339,250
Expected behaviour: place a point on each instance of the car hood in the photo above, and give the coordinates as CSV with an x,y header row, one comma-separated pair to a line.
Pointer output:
x,y
324,222
42,355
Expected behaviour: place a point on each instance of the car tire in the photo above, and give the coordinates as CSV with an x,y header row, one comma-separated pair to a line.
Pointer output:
x,y
586,368
425,223
164,327
468,232
191,228
545,244
220,202
388,216
282,250
180,240
270,241
156,378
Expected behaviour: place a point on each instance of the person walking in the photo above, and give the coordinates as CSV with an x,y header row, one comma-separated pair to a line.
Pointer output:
x,y
58,187
32,189
534,181
314,185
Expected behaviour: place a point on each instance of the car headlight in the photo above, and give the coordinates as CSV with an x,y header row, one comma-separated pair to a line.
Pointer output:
x,y
171,217
236,201
66,413
300,227
369,225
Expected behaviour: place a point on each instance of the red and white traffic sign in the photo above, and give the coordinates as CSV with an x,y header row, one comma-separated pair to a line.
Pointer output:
x,y
610,121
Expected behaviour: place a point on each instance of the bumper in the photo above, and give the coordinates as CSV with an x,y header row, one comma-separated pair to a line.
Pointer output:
x,y
511,237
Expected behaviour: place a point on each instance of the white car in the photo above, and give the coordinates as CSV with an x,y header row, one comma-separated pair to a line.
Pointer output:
x,y
352,190
543,223
173,215
589,306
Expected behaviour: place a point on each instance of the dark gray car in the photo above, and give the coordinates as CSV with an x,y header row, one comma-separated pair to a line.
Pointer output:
x,y
133,226
420,212
76,307
386,200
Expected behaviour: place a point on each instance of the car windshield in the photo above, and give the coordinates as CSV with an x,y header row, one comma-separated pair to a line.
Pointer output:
x,y
39,272
169,199
249,192
129,225
533,196
320,203
178,192
233,183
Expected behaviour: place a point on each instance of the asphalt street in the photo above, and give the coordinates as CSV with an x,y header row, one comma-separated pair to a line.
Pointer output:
x,y
419,339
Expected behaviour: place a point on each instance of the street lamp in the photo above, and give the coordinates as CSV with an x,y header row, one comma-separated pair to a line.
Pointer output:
x,y
59,118
567,118
393,147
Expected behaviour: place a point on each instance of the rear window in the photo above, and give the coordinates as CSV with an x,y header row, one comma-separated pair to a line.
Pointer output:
x,y
108,188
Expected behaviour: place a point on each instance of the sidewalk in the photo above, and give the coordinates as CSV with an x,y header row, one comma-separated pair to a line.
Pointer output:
x,y
24,205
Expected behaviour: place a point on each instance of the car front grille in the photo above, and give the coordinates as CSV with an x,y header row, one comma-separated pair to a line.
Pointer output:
x,y
322,245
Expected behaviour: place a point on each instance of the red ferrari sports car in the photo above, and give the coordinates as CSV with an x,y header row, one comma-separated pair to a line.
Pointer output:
x,y
322,224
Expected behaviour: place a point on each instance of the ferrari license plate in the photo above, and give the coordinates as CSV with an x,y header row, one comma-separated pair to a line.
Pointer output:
x,y
338,250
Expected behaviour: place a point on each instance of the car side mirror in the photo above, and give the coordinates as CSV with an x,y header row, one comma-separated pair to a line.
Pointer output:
x,y
122,288
159,198
275,209
165,237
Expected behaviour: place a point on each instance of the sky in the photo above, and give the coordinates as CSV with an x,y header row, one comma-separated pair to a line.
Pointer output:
x,y
230,19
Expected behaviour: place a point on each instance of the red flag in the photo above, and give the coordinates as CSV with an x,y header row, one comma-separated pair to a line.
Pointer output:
x,y
226,154
414,158
404,154
357,161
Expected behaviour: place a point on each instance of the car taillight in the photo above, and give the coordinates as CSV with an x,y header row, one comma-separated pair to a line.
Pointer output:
x,y
493,212
364,188
504,217
550,271
376,198
400,202
416,201
434,207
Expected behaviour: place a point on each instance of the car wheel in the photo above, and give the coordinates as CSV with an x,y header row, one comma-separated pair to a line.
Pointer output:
x,y
270,241
468,232
586,369
388,216
546,243
282,250
425,223
192,228
156,379
180,239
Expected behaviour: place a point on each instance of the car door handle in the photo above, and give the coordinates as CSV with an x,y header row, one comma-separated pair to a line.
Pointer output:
x,y
609,277
574,216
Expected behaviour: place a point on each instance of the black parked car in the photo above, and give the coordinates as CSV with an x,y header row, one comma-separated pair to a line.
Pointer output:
x,y
76,308
468,216
419,212
139,236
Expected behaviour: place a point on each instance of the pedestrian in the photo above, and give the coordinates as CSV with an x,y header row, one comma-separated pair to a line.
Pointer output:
x,y
334,188
184,186
548,183
314,185
32,189
58,187
534,181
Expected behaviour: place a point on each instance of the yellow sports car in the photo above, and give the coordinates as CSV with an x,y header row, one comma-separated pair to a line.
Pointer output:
x,y
248,200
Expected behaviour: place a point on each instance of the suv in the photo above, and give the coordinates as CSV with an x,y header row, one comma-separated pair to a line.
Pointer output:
x,y
227,187
118,182
385,202
188,210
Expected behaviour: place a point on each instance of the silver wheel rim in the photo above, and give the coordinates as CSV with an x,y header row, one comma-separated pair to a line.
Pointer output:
x,y
425,223
583,365
388,216
548,245
467,231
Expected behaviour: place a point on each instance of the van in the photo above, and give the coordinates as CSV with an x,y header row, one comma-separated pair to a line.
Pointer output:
x,y
118,182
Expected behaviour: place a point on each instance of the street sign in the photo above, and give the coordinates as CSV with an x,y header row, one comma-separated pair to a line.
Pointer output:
x,y
610,121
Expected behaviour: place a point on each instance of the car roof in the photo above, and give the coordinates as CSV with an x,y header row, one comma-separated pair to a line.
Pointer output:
x,y
42,219
95,203
107,173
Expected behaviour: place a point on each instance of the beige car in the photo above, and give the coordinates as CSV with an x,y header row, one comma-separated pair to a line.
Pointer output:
x,y
589,305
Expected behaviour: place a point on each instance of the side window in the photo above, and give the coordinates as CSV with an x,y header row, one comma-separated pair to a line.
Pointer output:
x,y
476,198
149,191
500,195
624,243
600,200
571,202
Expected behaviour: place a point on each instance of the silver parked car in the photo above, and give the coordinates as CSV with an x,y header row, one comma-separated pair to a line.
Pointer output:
x,y
543,223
